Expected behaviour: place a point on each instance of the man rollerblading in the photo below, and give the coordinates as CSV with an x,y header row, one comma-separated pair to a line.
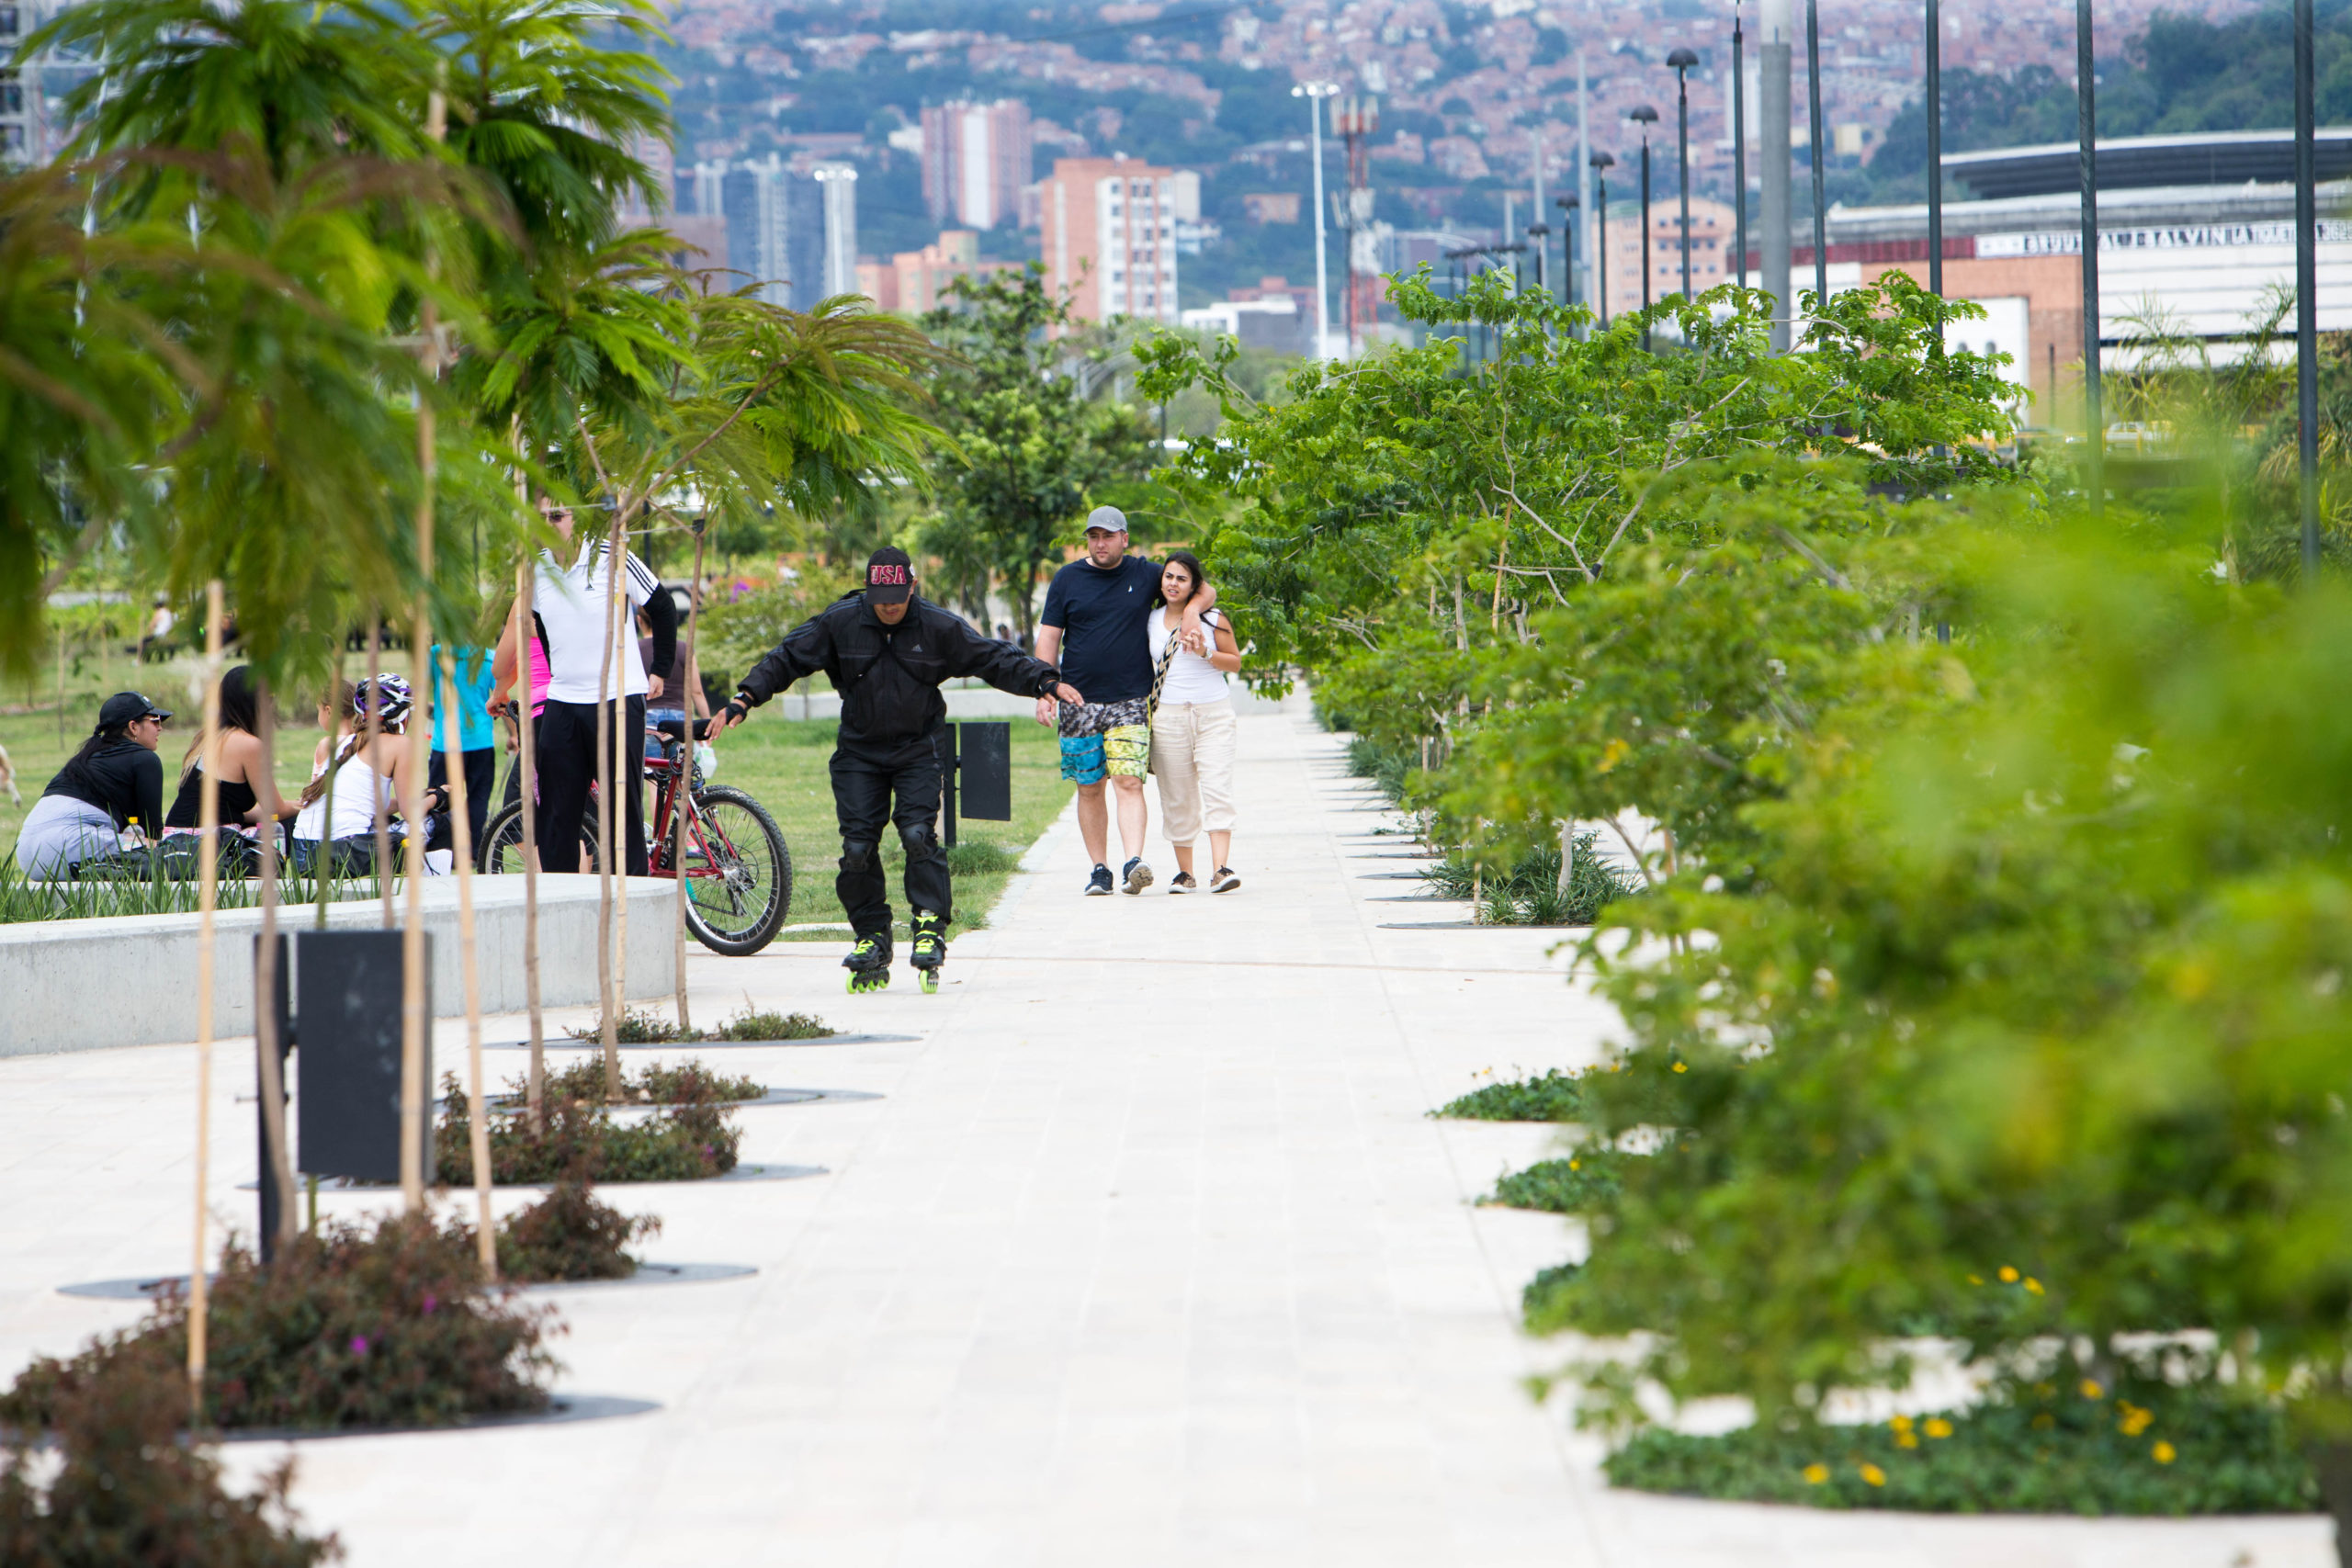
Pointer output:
x,y
930,951
887,652
869,963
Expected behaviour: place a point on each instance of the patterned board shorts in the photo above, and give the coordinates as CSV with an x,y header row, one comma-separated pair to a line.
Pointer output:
x,y
1101,738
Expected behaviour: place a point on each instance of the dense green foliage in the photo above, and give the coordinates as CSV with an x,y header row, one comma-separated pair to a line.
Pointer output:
x,y
1570,1185
2145,1446
1552,1096
582,1141
690,1081
387,1325
636,1028
1527,889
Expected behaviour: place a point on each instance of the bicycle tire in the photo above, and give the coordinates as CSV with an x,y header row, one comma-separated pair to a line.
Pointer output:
x,y
501,849
713,804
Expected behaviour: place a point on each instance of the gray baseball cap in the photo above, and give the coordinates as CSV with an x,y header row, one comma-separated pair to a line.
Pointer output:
x,y
1110,519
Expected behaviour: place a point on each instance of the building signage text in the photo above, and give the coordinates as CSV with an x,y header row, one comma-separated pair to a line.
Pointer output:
x,y
2178,237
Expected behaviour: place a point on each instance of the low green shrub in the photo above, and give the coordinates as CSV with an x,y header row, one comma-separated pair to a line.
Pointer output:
x,y
636,1028
1567,1186
2144,1447
1554,1096
118,1488
690,1081
387,1325
580,1141
1537,1308
570,1233
979,857
1528,892
772,1025
1390,768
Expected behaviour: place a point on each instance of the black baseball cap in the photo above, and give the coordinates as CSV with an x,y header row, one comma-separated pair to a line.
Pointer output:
x,y
125,706
889,576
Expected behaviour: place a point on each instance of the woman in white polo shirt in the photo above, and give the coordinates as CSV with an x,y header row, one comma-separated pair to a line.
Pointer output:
x,y
1192,725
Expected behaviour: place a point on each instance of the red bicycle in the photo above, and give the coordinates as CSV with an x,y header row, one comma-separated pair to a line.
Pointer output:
x,y
738,867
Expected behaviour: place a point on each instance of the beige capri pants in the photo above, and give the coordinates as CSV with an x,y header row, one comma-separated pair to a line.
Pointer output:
x,y
1192,755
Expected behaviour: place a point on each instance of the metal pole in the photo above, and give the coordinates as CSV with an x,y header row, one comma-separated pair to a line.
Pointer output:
x,y
1683,158
1585,173
1601,212
2306,290
1813,110
2087,150
1934,150
1774,248
1739,149
1322,285
1646,235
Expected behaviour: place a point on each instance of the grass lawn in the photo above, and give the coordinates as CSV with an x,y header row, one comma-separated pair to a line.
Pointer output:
x,y
780,761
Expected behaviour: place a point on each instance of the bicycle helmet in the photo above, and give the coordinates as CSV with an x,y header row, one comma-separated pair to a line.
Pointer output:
x,y
387,694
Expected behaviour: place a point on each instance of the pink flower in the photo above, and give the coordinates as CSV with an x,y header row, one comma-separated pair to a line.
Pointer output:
x,y
359,1344
431,1301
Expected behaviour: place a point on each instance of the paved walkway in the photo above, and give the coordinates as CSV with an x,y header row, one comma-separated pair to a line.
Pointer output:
x,y
1146,1255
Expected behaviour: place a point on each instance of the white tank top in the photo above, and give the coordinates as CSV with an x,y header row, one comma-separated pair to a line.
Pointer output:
x,y
1191,678
359,788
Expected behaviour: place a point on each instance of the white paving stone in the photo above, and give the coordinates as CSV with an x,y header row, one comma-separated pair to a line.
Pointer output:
x,y
1148,1255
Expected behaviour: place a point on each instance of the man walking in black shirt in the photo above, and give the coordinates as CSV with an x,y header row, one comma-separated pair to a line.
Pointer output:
x,y
887,652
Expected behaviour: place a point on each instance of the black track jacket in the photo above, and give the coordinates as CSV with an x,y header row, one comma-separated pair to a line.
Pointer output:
x,y
889,676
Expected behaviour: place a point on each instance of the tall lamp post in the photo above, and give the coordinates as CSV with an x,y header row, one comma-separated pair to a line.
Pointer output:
x,y
1739,147
2087,158
1935,152
1602,163
1313,92
2306,291
1567,206
1682,60
1813,114
1540,233
1644,116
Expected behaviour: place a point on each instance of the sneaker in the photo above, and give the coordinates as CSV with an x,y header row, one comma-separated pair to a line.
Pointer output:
x,y
1182,882
1099,883
1224,881
1134,875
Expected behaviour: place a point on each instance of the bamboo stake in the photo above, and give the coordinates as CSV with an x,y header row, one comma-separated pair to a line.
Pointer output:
x,y
608,1035
273,1080
625,771
372,725
322,867
685,668
208,893
526,581
415,1040
462,831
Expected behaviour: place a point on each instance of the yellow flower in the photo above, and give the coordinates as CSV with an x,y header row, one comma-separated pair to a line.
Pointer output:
x,y
2008,1275
2164,1452
2034,1284
1816,1474
1901,1423
1977,1279
1938,1427
1682,1068
1613,753
1906,1440
2091,1390
1873,1474
1576,1165
2136,1418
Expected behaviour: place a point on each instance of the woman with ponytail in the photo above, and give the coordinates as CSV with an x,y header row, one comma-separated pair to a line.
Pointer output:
x,y
366,775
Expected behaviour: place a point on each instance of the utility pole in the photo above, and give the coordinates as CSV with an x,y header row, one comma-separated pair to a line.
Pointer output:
x,y
2086,155
1774,211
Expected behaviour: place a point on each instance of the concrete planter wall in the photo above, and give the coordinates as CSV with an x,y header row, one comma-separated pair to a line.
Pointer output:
x,y
130,979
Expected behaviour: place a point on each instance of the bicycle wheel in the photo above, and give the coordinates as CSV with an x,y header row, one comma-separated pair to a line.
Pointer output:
x,y
500,851
739,873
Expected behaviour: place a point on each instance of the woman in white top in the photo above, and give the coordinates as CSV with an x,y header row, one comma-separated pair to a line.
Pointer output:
x,y
1193,727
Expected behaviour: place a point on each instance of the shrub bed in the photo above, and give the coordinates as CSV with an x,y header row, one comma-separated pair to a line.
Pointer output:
x,y
1527,892
635,1027
1567,1186
1553,1096
388,1325
689,1082
2147,1448
571,1235
582,1141
120,1489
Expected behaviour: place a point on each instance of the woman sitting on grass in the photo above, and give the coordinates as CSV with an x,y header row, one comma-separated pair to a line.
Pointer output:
x,y
364,777
112,784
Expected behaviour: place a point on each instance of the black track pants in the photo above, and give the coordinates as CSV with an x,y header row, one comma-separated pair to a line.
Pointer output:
x,y
567,766
481,777
865,777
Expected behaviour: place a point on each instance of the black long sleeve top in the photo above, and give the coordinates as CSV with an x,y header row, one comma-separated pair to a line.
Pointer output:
x,y
122,778
889,676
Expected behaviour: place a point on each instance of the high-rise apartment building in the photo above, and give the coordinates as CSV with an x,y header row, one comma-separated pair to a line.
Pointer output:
x,y
794,233
19,91
976,158
1110,237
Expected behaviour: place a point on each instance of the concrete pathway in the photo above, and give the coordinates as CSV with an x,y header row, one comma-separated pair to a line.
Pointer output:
x,y
1147,1255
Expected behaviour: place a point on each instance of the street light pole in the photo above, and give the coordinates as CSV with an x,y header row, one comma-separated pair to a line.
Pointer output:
x,y
1682,60
1935,152
1813,106
1313,92
1773,208
2086,157
1567,206
1739,147
1644,116
1542,234
2306,290
1601,163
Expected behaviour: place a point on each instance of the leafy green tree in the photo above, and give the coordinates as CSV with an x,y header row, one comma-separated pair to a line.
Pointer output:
x,y
1031,452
